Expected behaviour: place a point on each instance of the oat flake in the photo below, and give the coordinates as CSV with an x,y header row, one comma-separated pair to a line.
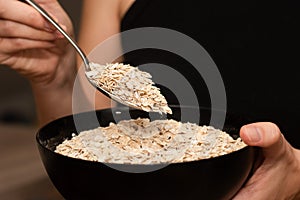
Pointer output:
x,y
141,141
129,84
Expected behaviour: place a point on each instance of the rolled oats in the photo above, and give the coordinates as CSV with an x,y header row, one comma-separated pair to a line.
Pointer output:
x,y
141,141
130,85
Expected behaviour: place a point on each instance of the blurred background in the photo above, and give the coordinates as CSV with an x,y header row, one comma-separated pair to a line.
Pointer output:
x,y
22,175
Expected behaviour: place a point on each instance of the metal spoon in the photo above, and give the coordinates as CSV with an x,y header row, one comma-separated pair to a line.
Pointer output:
x,y
80,52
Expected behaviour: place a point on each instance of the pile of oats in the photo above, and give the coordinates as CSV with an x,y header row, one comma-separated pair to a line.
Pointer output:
x,y
130,85
141,141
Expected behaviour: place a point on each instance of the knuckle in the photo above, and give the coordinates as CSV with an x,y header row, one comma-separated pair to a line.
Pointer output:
x,y
273,131
6,28
17,43
2,9
274,127
33,16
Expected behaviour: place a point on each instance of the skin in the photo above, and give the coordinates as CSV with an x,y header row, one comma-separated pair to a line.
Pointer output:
x,y
32,47
278,166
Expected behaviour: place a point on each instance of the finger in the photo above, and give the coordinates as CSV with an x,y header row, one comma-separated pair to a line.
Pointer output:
x,y
266,135
268,180
23,13
262,134
12,45
15,29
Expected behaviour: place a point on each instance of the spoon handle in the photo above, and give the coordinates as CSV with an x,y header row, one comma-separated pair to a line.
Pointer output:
x,y
61,30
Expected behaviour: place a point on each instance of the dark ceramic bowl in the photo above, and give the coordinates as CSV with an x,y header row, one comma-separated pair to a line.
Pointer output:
x,y
215,178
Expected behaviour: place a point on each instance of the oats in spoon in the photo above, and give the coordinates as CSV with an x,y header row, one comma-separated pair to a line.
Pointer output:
x,y
131,85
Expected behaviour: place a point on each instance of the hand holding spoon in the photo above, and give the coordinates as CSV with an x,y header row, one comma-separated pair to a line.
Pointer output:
x,y
159,106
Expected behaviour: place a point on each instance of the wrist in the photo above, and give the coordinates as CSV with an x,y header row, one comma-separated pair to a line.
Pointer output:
x,y
53,98
52,102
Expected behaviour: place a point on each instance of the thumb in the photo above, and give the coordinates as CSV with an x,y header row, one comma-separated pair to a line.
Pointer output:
x,y
266,135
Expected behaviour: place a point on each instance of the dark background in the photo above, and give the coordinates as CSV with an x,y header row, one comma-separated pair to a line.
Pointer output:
x,y
255,45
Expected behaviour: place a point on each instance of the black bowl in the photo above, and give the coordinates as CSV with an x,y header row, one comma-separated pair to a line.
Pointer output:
x,y
215,178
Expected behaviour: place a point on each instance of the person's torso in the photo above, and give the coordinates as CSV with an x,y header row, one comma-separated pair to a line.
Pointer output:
x,y
253,43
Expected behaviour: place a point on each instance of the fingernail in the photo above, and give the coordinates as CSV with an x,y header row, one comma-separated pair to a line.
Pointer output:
x,y
253,133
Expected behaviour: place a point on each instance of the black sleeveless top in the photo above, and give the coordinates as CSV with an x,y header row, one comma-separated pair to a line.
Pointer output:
x,y
255,45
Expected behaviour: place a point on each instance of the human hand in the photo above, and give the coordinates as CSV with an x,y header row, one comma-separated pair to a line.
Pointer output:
x,y
277,175
31,46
